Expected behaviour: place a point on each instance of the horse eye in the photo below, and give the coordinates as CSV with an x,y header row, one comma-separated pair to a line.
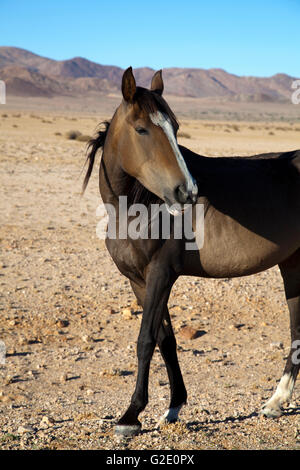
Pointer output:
x,y
141,130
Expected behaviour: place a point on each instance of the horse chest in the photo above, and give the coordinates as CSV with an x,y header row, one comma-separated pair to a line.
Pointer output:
x,y
127,258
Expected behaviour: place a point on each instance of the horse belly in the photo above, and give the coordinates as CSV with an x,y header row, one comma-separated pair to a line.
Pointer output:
x,y
233,250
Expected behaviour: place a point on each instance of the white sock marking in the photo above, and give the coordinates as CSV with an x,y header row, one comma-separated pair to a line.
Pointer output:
x,y
282,395
170,416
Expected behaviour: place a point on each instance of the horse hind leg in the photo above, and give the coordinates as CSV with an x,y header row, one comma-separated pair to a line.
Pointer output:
x,y
290,271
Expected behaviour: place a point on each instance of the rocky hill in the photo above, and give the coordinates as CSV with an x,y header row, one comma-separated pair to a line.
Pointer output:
x,y
28,74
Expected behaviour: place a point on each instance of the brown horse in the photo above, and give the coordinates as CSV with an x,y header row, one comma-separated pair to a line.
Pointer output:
x,y
252,222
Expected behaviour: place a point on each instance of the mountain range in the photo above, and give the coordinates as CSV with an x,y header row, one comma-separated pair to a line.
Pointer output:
x,y
28,74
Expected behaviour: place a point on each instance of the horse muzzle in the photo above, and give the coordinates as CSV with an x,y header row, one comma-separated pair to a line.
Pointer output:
x,y
181,197
185,195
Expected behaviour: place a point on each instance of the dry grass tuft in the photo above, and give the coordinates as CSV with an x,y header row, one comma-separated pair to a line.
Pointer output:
x,y
73,135
184,135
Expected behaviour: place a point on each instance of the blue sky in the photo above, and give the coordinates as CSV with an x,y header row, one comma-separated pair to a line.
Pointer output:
x,y
243,37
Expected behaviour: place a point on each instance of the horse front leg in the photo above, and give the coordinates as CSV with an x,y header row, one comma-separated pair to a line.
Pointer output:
x,y
168,348
158,287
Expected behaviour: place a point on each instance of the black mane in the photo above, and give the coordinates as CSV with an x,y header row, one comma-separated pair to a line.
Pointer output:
x,y
94,145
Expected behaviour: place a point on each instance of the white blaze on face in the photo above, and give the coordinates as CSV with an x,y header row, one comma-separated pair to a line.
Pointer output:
x,y
162,120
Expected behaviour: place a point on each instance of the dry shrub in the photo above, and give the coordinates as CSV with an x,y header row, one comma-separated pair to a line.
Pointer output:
x,y
184,135
235,127
73,135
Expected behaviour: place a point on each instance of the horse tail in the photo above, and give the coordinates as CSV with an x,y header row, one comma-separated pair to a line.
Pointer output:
x,y
93,146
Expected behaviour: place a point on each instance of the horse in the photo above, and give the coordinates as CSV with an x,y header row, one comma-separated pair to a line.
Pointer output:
x,y
251,223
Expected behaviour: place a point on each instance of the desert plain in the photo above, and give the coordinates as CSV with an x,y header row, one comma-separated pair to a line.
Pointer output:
x,y
69,320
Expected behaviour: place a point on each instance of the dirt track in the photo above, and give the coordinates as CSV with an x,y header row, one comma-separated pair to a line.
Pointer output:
x,y
71,364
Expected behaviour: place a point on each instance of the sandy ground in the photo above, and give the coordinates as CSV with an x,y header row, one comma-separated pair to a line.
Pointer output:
x,y
71,364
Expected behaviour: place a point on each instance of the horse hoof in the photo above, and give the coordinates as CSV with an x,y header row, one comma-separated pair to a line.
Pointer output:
x,y
271,412
127,430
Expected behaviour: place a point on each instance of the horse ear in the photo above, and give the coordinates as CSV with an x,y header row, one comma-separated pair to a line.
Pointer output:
x,y
128,85
157,84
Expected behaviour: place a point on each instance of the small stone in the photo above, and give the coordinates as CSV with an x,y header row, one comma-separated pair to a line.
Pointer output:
x,y
62,323
24,429
11,351
9,379
188,332
46,422
64,377
136,306
111,372
276,345
32,373
86,338
238,326
161,383
4,398
127,313
22,340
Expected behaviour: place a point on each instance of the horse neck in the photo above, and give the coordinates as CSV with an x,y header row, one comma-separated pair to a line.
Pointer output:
x,y
113,181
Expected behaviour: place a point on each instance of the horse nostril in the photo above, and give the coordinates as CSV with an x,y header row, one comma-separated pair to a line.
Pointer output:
x,y
185,196
182,195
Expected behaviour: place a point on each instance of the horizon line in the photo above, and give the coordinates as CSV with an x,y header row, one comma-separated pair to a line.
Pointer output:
x,y
149,67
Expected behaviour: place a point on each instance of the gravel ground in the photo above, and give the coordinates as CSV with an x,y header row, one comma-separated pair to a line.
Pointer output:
x,y
69,320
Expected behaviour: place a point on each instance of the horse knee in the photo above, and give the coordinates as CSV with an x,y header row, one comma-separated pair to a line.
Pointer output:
x,y
145,347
